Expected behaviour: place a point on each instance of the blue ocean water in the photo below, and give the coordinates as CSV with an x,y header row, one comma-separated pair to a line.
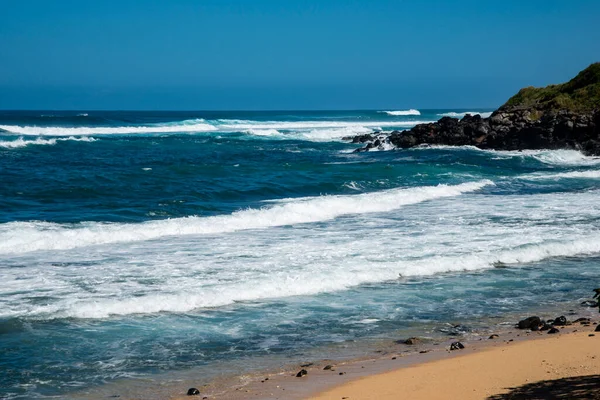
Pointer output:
x,y
134,244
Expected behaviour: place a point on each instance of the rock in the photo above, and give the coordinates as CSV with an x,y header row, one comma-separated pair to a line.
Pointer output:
x,y
591,334
545,326
553,330
589,303
307,365
494,336
328,367
301,373
412,341
560,321
597,328
582,320
193,392
457,346
563,116
532,323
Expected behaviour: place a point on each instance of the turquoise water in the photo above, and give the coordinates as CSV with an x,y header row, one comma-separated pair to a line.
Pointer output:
x,y
136,244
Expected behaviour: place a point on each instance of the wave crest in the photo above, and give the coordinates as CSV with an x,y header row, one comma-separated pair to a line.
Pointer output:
x,y
20,142
412,111
22,237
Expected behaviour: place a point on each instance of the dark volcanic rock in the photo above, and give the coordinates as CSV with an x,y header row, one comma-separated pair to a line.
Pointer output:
x,y
412,341
532,323
565,116
301,373
597,328
553,330
560,321
193,392
457,346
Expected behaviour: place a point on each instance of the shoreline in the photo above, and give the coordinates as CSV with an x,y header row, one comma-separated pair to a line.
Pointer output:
x,y
365,378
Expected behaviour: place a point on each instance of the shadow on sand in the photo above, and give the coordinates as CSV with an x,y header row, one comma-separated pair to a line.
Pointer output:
x,y
578,387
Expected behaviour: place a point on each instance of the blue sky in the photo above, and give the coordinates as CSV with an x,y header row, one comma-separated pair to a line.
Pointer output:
x,y
287,54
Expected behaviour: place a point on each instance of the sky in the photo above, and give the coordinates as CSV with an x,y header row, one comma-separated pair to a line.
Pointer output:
x,y
287,54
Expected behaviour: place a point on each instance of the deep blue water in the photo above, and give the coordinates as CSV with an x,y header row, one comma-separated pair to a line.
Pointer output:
x,y
141,243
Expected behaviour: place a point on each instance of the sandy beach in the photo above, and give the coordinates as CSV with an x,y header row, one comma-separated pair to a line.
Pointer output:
x,y
516,364
524,369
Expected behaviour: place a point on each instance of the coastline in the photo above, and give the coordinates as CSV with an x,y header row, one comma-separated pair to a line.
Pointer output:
x,y
525,368
492,365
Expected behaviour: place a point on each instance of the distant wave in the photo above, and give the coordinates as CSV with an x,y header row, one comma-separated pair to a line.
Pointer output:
x,y
462,114
20,142
22,237
412,111
594,174
184,126
552,157
301,130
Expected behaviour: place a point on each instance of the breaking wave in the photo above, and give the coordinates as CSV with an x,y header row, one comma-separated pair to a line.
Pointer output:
x,y
412,111
22,237
462,114
20,142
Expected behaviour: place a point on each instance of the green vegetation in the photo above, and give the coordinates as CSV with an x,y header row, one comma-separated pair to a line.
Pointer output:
x,y
580,94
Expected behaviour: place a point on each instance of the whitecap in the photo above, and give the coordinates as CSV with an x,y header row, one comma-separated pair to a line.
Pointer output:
x,y
412,111
22,237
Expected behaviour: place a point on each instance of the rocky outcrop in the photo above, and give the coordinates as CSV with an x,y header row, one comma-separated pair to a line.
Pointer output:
x,y
565,116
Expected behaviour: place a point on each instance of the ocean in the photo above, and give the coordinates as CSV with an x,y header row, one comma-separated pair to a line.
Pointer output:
x,y
148,246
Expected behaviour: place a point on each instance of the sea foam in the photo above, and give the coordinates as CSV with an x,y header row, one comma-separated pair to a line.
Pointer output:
x,y
20,142
412,111
454,114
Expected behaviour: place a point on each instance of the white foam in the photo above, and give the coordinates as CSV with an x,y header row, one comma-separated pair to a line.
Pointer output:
x,y
184,126
20,142
594,174
21,237
462,114
552,157
412,111
232,125
183,273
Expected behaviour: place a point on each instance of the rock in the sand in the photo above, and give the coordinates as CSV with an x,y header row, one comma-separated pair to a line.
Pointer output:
x,y
494,336
582,320
560,321
553,330
457,346
532,323
301,373
193,392
597,328
328,367
589,303
545,326
412,341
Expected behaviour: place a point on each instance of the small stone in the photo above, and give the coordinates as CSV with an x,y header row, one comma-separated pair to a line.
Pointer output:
x,y
553,330
457,346
494,336
301,373
412,341
193,392
342,373
424,351
591,334
582,320
393,358
530,323
560,321
307,365
597,328
328,367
